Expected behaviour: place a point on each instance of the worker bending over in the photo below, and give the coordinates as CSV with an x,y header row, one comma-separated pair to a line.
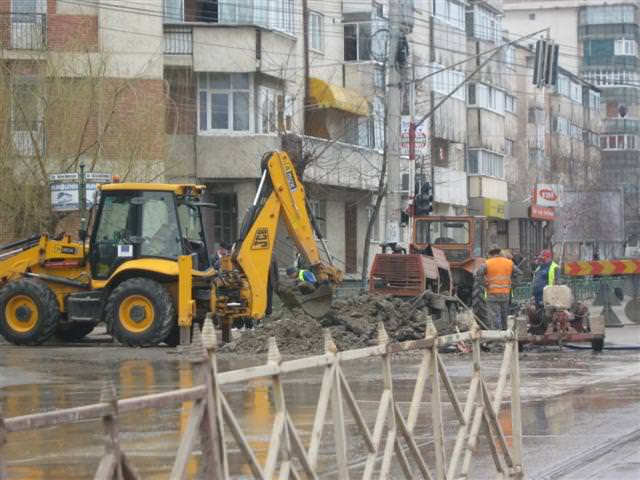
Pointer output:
x,y
497,272
306,280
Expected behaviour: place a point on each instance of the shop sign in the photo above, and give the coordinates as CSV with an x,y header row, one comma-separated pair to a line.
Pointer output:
x,y
548,195
542,213
494,208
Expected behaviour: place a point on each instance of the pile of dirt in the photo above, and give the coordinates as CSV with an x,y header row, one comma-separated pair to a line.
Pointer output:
x,y
352,321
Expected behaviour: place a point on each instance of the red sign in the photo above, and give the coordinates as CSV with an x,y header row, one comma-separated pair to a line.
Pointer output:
x,y
548,194
542,213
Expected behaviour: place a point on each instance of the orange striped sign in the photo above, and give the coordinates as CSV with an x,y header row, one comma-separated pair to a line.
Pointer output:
x,y
602,268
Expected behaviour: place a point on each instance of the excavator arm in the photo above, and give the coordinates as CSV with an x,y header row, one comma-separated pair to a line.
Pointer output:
x,y
245,273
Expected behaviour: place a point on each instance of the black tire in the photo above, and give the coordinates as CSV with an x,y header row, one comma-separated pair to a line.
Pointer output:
x,y
157,297
479,304
47,310
597,344
73,331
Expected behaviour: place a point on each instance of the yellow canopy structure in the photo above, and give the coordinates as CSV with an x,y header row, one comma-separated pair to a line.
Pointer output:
x,y
327,95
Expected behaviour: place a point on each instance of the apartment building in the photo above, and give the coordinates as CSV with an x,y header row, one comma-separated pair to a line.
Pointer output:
x,y
199,90
599,42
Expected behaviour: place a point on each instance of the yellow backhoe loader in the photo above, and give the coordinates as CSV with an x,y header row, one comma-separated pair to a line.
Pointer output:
x,y
145,270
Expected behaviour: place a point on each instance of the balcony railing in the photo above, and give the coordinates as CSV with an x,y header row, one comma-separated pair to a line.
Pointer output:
x,y
23,31
28,138
178,40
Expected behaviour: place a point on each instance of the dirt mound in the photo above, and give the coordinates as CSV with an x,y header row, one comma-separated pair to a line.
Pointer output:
x,y
352,322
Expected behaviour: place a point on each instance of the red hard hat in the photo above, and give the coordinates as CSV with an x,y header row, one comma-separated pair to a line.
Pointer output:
x,y
546,255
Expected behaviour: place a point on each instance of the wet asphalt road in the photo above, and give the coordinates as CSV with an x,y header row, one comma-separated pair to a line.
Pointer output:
x,y
575,404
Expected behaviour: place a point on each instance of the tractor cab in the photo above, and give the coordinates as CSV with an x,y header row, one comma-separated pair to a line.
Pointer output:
x,y
460,238
136,221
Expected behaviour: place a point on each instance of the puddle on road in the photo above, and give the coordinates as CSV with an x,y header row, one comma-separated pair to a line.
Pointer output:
x,y
150,437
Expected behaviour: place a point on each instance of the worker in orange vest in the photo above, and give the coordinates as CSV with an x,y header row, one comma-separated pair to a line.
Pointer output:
x,y
497,272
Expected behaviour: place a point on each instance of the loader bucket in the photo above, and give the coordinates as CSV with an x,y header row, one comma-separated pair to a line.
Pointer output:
x,y
315,304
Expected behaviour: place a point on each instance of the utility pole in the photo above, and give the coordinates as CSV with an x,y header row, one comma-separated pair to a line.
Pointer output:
x,y
396,79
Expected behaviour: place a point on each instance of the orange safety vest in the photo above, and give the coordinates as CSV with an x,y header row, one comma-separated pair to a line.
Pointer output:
x,y
499,271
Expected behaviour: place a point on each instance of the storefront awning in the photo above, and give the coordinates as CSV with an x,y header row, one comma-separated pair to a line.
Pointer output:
x,y
327,95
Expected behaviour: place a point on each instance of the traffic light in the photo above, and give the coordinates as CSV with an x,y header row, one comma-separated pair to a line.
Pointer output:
x,y
545,66
424,200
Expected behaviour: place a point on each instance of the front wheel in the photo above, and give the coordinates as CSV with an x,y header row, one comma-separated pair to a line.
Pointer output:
x,y
140,313
29,312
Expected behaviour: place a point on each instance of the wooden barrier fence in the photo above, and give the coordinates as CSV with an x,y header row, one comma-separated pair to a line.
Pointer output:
x,y
287,456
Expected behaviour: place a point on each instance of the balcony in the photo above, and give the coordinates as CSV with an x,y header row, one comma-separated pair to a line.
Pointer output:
x,y
28,138
342,165
178,39
23,31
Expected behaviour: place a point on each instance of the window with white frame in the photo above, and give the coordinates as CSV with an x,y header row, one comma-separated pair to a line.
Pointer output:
x,y
576,132
357,41
316,31
319,211
275,111
625,46
620,142
508,147
445,81
576,92
563,86
511,104
27,115
561,125
486,96
510,56
484,162
487,25
276,14
450,12
594,100
224,102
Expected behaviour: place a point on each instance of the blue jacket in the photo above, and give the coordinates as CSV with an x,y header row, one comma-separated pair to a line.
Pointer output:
x,y
541,279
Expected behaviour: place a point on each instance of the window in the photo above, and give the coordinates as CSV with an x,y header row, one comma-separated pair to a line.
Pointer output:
x,y
487,25
316,31
224,102
510,56
275,14
576,132
620,142
484,162
576,92
27,117
446,81
319,211
563,87
535,115
511,104
561,125
275,111
442,232
449,12
357,41
607,14
625,46
173,10
508,147
485,96
594,100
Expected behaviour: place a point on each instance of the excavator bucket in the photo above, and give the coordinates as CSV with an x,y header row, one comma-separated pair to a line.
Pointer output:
x,y
315,304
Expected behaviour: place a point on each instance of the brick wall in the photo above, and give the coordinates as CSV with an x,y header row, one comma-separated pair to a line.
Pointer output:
x,y
72,32
181,104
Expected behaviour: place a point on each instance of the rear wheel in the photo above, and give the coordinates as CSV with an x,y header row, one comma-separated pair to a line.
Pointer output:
x,y
479,304
29,312
140,313
73,331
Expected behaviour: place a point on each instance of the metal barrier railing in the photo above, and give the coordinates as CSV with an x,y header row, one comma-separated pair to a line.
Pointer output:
x,y
23,31
583,289
286,455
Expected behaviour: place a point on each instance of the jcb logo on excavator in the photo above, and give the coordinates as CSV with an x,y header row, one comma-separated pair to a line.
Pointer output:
x,y
291,180
261,240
